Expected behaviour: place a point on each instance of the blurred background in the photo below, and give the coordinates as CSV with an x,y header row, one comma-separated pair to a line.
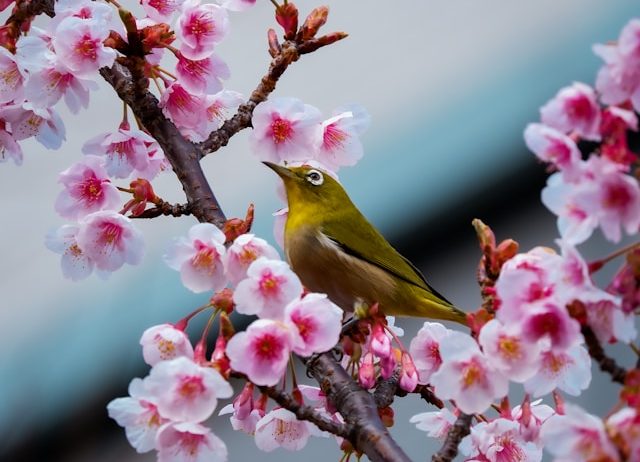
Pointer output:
x,y
450,86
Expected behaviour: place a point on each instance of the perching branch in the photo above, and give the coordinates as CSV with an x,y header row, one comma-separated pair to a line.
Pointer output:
x,y
606,363
166,209
304,412
388,389
357,406
449,449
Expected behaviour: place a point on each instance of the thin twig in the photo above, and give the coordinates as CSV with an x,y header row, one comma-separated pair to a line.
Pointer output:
x,y
606,363
449,449
166,209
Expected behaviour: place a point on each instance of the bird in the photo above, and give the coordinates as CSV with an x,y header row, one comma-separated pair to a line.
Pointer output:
x,y
334,249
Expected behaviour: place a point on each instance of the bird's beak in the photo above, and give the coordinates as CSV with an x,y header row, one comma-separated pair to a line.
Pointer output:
x,y
283,172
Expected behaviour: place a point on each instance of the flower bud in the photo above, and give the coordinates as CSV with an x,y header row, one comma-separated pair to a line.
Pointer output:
x,y
316,19
219,359
388,364
380,343
274,44
223,300
386,415
243,403
408,373
156,36
236,226
287,17
366,372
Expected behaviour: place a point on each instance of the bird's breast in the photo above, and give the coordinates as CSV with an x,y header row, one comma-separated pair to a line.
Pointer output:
x,y
324,267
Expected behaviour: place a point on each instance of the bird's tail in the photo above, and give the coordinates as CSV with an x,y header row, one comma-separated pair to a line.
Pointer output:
x,y
437,308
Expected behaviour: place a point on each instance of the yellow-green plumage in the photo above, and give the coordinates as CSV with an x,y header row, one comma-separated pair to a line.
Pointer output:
x,y
335,250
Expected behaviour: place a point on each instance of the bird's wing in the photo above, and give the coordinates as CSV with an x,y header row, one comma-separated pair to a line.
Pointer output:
x,y
367,244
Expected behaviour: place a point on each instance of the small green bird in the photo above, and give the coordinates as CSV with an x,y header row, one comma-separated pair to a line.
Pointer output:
x,y
334,250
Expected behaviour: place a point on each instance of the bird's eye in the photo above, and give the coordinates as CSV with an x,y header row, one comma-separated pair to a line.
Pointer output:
x,y
315,177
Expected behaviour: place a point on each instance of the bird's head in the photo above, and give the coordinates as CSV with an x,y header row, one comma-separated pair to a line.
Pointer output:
x,y
311,187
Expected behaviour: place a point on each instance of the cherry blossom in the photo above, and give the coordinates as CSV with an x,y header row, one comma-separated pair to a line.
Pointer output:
x,y
425,349
186,391
161,10
200,27
139,416
96,13
262,351
507,351
189,442
198,257
497,441
624,429
75,264
202,76
316,324
181,107
125,150
245,250
569,371
435,423
615,147
87,189
79,44
269,287
281,429
552,146
551,323
11,79
577,435
340,137
531,420
246,424
164,342
9,148
609,322
238,5
574,109
284,129
110,240
619,79
26,121
466,376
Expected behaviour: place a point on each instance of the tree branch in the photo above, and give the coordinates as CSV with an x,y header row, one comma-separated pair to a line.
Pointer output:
x,y
449,449
183,155
606,363
388,389
165,208
304,412
357,406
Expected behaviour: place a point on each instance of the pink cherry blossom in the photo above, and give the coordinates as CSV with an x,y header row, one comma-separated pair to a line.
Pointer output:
x,y
79,45
204,75
281,429
609,322
284,129
279,221
262,351
11,79
124,150
218,108
619,79
574,109
425,349
26,121
189,442
552,146
198,257
9,148
200,27
157,163
139,416
181,107
569,371
186,391
435,423
615,124
48,85
340,137
269,287
624,426
247,424
87,189
466,376
577,435
499,441
164,342
91,12
245,250
75,263
110,240
161,10
507,351
316,323
532,420
551,323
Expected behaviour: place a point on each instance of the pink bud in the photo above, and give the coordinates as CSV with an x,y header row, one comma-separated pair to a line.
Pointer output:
x,y
409,374
367,373
243,404
388,364
380,343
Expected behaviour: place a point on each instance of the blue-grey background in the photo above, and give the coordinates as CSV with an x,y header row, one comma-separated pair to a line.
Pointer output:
x,y
450,86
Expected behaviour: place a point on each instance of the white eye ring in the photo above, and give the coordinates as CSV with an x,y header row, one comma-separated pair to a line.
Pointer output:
x,y
315,177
